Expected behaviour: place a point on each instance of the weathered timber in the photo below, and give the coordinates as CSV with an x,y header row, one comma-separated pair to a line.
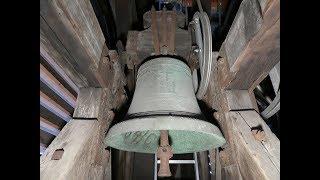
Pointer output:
x,y
238,100
53,107
92,103
88,103
131,49
59,74
53,52
74,24
47,78
252,46
49,127
217,165
215,98
84,157
262,156
203,165
212,163
155,33
158,39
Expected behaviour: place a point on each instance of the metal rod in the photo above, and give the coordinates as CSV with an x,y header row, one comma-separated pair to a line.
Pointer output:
x,y
199,6
179,162
196,167
155,176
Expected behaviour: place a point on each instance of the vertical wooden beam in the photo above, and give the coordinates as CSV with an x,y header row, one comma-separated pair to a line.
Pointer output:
x,y
154,29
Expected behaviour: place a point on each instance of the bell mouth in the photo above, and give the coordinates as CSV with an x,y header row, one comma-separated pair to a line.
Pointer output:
x,y
186,135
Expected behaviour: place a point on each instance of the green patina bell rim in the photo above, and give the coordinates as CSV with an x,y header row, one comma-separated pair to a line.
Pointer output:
x,y
186,135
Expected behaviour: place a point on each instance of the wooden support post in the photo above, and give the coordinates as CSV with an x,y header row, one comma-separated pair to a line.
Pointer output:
x,y
154,29
156,39
203,165
242,64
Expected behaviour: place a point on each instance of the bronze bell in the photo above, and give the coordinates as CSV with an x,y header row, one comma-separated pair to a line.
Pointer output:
x,y
164,99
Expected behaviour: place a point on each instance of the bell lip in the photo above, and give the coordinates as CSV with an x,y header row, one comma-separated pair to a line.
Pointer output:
x,y
163,123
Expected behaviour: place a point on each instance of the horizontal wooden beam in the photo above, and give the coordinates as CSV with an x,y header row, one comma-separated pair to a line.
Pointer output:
x,y
48,59
49,127
54,107
47,78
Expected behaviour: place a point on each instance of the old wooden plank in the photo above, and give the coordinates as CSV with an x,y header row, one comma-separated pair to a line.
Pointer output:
x,y
238,100
262,52
88,103
144,46
75,25
59,73
259,52
53,52
172,21
93,103
54,107
84,157
49,127
47,78
154,30
217,165
263,163
245,25
212,163
203,165
163,32
271,142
